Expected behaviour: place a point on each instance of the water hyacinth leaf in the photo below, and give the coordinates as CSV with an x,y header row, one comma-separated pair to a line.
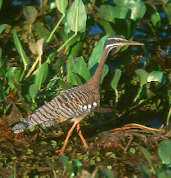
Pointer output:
x,y
62,5
164,151
20,49
137,7
33,90
13,76
155,76
107,12
77,17
142,76
155,19
97,53
3,27
1,2
30,14
72,78
41,74
116,78
80,68
40,30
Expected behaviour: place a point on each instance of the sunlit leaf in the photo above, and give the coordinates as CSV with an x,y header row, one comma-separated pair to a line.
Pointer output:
x,y
97,53
116,78
137,7
80,67
107,12
41,74
30,13
77,16
142,76
164,151
62,5
155,18
13,75
155,76
20,49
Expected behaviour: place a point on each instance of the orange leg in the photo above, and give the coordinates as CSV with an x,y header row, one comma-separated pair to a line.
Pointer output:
x,y
61,151
81,136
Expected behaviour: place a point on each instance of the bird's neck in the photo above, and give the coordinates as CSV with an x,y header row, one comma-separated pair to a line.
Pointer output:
x,y
98,73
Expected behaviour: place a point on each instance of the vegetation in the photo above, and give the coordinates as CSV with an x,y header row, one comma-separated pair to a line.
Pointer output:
x,y
49,46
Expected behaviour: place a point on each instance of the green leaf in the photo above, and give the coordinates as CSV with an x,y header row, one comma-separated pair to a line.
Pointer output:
x,y
155,19
20,49
72,78
107,12
164,173
155,76
41,74
3,27
142,76
33,90
30,14
167,9
164,151
13,75
80,67
137,7
1,2
39,78
40,30
77,17
116,78
97,53
62,5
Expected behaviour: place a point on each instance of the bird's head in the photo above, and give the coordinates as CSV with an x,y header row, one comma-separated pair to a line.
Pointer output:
x,y
119,42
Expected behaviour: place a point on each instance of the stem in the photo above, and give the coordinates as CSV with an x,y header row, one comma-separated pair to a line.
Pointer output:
x,y
138,94
38,60
116,96
55,28
72,37
168,117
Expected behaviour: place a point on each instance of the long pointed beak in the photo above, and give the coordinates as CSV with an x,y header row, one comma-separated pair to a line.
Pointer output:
x,y
125,43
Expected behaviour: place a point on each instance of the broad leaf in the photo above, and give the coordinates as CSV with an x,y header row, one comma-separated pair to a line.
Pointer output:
x,y
155,19
164,151
97,53
77,17
155,76
142,76
20,49
1,2
3,27
80,67
107,12
62,5
41,74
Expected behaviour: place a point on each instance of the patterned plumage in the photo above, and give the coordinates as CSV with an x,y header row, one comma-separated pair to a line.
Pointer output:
x,y
70,104
73,104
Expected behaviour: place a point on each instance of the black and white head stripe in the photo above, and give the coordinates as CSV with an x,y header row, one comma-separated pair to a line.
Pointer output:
x,y
118,42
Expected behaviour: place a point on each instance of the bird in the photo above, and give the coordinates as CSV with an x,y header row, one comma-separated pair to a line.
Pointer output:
x,y
76,103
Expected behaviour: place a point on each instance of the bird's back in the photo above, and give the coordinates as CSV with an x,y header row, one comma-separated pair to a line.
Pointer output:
x,y
72,103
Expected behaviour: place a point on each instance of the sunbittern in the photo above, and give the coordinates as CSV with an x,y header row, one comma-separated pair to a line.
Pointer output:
x,y
73,104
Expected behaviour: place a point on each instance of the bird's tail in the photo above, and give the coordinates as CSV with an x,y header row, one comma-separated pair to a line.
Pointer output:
x,y
20,127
